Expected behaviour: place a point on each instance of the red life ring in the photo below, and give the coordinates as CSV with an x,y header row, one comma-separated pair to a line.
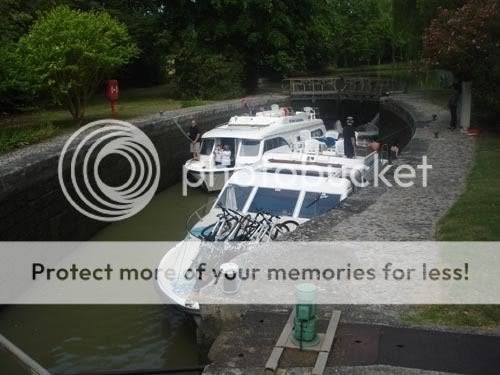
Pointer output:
x,y
287,111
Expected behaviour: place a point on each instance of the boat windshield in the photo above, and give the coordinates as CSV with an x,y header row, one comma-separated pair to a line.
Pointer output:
x,y
317,204
278,202
249,147
207,145
234,197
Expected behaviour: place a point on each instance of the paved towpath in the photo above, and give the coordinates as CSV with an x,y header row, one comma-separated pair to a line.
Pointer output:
x,y
404,213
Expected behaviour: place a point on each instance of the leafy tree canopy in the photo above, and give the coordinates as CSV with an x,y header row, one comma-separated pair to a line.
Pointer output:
x,y
463,39
68,53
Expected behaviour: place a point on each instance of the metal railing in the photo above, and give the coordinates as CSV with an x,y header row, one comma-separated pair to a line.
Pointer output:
x,y
22,358
342,86
197,215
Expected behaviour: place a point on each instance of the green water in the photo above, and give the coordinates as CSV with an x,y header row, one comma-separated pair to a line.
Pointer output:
x,y
68,339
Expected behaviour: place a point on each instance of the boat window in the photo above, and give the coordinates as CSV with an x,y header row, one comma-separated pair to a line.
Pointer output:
x,y
249,147
318,203
317,133
271,144
234,197
275,201
207,145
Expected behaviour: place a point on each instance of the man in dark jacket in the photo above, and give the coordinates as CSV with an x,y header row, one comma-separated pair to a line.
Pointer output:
x,y
453,105
349,139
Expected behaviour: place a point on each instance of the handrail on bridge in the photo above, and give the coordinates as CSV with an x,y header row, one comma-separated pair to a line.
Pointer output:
x,y
341,86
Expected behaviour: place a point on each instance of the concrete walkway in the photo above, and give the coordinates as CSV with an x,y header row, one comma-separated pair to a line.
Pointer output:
x,y
344,370
389,214
397,213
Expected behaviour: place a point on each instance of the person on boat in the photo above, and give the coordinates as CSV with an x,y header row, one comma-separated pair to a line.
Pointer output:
x,y
395,148
226,156
374,145
349,139
218,155
194,136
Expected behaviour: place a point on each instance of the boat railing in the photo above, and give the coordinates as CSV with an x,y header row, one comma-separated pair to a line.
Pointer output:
x,y
198,215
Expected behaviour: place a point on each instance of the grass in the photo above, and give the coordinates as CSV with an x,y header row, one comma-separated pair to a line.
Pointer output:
x,y
18,137
480,316
474,217
22,129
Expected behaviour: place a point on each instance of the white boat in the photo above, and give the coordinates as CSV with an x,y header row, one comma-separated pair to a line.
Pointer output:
x,y
326,156
305,181
297,197
248,138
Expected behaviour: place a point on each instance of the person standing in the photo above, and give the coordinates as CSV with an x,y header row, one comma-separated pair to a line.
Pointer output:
x,y
226,157
218,155
453,105
349,139
194,136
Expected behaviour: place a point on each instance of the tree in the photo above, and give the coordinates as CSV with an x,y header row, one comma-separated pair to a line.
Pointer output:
x,y
269,38
410,18
68,53
466,42
463,40
362,30
16,18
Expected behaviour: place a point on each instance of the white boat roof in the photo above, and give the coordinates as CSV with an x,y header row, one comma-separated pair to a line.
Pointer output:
x,y
315,184
305,160
264,124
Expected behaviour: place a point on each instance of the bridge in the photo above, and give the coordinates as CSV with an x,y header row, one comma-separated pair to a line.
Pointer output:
x,y
342,87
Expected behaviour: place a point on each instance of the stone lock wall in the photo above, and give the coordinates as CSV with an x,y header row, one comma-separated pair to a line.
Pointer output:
x,y
32,204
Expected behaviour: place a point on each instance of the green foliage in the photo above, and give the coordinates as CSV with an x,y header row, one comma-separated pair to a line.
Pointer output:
x,y
462,39
144,20
69,53
203,75
14,138
15,89
410,18
17,16
466,42
271,38
363,31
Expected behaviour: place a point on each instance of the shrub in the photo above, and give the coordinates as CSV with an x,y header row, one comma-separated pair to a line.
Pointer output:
x,y
68,53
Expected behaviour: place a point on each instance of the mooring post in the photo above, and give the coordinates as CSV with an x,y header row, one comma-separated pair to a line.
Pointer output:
x,y
26,361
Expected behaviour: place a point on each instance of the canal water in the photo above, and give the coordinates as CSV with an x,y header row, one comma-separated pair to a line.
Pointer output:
x,y
75,338
69,339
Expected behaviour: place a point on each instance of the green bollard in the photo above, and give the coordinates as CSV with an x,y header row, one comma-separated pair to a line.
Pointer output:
x,y
306,318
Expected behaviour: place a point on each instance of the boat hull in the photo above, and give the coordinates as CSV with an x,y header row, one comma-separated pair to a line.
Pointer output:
x,y
210,180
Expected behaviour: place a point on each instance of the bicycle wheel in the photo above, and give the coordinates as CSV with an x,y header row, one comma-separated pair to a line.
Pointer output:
x,y
291,225
278,230
224,232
